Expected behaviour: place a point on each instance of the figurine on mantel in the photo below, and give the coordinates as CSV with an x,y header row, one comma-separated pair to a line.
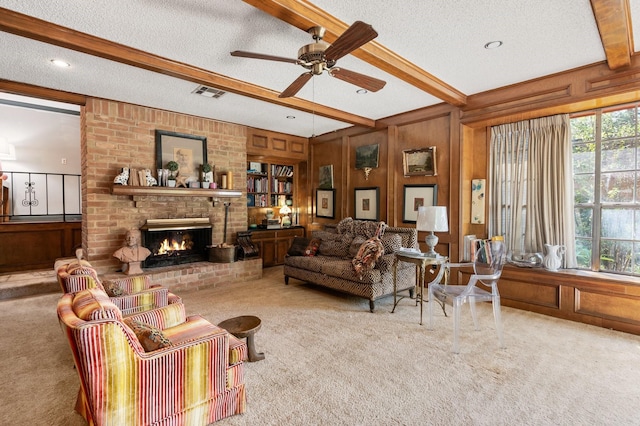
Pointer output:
x,y
132,254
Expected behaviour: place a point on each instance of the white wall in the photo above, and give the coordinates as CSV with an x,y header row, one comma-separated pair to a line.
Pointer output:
x,y
42,139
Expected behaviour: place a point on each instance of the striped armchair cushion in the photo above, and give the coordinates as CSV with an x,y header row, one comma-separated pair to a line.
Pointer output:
x,y
94,304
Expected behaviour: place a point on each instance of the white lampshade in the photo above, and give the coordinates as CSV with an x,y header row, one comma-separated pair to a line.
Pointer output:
x,y
432,218
285,209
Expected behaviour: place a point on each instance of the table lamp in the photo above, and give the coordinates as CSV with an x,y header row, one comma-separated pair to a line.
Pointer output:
x,y
285,211
432,219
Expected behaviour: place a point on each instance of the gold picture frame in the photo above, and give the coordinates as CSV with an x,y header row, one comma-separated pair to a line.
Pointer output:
x,y
419,162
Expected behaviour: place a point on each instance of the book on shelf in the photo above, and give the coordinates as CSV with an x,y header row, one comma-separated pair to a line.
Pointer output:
x,y
468,247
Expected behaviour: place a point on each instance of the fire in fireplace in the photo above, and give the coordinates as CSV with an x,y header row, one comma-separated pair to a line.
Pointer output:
x,y
176,241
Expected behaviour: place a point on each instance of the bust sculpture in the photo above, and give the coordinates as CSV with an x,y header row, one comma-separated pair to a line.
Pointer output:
x,y
132,254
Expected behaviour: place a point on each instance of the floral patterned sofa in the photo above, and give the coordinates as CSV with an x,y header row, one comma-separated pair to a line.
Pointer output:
x,y
332,265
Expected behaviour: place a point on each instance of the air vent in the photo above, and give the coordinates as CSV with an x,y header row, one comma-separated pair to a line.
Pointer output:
x,y
209,92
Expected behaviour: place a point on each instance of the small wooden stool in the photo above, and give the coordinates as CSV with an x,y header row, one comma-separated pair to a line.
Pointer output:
x,y
245,326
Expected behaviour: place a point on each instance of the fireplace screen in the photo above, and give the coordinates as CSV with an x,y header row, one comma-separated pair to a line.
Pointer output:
x,y
176,241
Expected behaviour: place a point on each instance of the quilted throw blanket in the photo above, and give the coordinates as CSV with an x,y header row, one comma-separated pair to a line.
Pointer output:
x,y
369,252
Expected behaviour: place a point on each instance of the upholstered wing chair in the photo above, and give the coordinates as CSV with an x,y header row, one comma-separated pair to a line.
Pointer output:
x,y
130,294
184,371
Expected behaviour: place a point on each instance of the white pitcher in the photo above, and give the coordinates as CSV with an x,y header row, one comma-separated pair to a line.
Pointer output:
x,y
553,259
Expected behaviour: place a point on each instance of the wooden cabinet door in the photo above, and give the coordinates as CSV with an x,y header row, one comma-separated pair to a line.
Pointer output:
x,y
269,253
282,247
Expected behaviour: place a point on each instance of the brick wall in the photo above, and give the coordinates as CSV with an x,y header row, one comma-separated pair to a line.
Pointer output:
x,y
116,135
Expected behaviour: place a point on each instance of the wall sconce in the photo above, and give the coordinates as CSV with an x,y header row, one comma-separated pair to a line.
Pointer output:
x,y
367,170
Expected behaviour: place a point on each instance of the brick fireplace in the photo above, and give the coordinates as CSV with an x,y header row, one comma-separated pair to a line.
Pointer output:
x,y
116,135
176,241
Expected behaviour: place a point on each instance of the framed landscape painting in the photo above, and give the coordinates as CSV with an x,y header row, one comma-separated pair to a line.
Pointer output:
x,y
419,162
325,177
367,156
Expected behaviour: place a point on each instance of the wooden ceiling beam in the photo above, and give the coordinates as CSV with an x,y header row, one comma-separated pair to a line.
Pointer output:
x,y
613,18
47,32
304,15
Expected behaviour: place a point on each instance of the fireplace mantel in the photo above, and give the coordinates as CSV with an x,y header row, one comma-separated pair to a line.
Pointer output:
x,y
214,194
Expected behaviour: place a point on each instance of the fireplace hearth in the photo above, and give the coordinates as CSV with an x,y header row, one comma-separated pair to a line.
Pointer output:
x,y
176,241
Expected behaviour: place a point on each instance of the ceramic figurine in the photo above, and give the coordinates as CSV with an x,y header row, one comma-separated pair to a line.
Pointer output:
x,y
123,177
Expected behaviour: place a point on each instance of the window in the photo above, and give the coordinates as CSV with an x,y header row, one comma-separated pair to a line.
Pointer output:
x,y
606,167
531,198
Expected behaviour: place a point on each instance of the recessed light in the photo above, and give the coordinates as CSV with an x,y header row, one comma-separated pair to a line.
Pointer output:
x,y
493,44
291,117
60,63
362,91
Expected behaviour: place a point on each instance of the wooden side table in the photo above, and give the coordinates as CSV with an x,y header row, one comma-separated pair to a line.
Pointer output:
x,y
245,326
422,261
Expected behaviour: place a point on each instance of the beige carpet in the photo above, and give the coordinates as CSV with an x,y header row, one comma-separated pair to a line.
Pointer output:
x,y
331,362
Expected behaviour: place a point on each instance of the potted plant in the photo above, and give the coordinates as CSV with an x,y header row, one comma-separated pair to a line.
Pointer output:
x,y
173,167
207,175
206,169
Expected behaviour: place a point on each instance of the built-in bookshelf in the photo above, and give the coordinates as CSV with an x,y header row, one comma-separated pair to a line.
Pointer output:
x,y
269,185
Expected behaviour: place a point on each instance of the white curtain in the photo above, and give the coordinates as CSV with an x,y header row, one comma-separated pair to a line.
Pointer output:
x,y
531,185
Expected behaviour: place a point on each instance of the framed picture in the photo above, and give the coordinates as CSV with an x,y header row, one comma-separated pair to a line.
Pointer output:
x,y
366,203
325,203
416,196
189,151
325,177
419,162
367,156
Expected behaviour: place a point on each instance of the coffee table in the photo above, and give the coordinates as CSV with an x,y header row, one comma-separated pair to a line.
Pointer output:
x,y
245,326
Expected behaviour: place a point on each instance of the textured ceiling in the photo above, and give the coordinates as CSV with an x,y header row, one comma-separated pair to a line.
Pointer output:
x,y
445,38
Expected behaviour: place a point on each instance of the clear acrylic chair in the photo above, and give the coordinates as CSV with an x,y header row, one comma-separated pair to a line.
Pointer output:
x,y
489,259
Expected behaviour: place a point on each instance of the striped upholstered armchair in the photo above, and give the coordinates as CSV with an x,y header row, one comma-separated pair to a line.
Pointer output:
x,y
186,371
131,294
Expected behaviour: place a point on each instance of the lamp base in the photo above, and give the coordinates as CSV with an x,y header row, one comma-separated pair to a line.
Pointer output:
x,y
432,241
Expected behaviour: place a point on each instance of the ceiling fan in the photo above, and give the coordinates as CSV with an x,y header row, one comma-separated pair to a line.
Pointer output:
x,y
320,56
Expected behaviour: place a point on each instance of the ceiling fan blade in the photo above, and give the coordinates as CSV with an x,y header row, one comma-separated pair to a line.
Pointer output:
x,y
296,85
360,80
243,54
355,36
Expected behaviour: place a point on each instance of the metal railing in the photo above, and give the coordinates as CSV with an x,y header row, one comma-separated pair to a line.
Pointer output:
x,y
41,197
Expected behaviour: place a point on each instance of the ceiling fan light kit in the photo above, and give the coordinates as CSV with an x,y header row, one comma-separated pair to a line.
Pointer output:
x,y
320,56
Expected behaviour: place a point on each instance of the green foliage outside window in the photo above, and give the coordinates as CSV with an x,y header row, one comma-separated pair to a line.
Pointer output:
x,y
606,167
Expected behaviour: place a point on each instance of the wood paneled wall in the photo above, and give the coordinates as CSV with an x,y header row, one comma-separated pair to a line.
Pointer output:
x,y
29,246
437,127
462,139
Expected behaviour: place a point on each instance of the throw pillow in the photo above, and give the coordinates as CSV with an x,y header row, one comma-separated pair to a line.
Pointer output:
x,y
367,228
327,236
334,248
391,243
113,289
355,245
150,337
345,225
312,248
298,246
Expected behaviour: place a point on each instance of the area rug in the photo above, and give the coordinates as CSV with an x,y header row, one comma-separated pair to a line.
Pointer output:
x,y
329,361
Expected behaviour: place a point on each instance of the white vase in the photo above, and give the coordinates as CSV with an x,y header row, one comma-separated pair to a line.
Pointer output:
x,y
553,259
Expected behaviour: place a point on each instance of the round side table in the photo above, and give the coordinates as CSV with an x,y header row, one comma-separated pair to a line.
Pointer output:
x,y
245,326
